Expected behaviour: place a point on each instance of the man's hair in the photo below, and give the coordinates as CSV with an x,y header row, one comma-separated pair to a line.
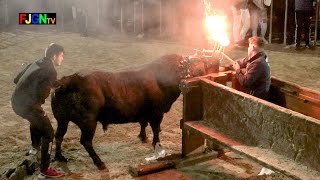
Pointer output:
x,y
257,41
53,49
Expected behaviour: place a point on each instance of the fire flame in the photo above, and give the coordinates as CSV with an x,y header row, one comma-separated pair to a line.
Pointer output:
x,y
216,26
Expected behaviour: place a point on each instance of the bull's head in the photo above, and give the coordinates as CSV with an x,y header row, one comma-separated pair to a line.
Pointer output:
x,y
199,65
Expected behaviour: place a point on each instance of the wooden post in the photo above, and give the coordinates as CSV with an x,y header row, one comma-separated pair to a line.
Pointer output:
x,y
134,16
192,111
316,25
285,24
270,26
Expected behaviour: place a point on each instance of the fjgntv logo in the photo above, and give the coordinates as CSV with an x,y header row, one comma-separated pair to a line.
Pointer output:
x,y
37,18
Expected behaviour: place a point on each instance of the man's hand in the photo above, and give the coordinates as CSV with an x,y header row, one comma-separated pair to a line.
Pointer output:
x,y
235,66
56,84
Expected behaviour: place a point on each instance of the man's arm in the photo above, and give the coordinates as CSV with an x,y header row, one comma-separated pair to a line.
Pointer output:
x,y
242,62
45,85
247,78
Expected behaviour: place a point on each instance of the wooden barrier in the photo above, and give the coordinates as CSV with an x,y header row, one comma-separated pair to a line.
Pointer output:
x,y
275,136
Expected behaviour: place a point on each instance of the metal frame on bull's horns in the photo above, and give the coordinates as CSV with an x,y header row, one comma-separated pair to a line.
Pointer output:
x,y
217,48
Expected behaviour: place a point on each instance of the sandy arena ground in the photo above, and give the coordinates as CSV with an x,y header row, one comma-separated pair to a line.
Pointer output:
x,y
119,147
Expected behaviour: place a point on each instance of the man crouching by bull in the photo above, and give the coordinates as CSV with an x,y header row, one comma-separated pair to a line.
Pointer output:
x,y
33,86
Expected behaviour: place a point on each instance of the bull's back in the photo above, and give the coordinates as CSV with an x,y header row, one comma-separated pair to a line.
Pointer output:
x,y
129,96
119,97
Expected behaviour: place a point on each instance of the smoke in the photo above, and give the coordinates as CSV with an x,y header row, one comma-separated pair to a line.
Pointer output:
x,y
178,19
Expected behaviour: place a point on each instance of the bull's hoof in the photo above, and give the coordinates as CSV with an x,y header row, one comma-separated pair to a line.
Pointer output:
x,y
155,143
60,158
104,174
143,139
102,166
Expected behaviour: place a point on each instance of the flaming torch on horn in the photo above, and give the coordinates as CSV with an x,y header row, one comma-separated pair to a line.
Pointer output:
x,y
216,30
208,60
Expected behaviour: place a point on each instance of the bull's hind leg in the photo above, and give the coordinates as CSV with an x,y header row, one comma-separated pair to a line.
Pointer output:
x,y
61,131
87,133
155,125
142,136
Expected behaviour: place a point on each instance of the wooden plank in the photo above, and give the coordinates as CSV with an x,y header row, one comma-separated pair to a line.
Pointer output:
x,y
302,105
144,169
265,157
192,94
190,141
221,77
297,90
295,97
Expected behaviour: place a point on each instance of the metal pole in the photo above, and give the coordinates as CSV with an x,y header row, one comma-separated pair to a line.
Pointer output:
x,y
173,17
171,6
98,12
270,27
160,17
62,14
121,17
285,24
316,25
6,16
142,17
134,15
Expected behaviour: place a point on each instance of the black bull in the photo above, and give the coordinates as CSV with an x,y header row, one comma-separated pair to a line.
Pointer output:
x,y
142,95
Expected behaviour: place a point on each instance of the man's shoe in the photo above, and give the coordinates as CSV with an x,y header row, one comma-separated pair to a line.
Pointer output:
x,y
50,172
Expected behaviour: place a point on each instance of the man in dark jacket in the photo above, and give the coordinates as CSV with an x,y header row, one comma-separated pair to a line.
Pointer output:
x,y
33,86
304,11
255,78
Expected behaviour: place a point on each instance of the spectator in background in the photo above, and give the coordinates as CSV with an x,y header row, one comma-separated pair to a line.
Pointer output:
x,y
80,17
291,24
258,13
304,11
241,21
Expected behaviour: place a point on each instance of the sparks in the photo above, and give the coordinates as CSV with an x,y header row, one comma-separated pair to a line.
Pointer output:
x,y
216,26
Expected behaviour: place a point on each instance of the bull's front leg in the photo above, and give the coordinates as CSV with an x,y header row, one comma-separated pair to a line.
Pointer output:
x,y
61,131
155,125
142,135
87,133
